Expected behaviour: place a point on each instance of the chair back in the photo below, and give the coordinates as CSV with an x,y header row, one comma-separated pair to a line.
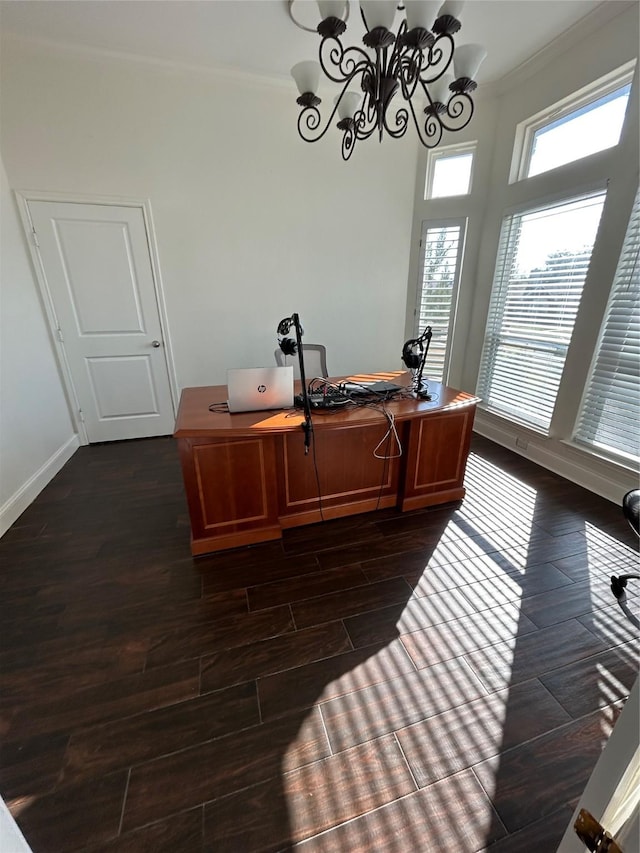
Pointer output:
x,y
315,361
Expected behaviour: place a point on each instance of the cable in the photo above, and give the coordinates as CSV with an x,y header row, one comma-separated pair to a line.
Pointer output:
x,y
219,408
618,588
392,431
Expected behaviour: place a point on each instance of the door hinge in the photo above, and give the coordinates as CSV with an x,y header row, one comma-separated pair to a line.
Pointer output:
x,y
34,235
81,415
593,834
60,335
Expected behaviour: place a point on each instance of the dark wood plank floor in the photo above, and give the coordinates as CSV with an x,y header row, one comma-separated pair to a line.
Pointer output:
x,y
442,680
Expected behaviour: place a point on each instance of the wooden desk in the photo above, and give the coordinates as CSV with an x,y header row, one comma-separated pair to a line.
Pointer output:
x,y
247,478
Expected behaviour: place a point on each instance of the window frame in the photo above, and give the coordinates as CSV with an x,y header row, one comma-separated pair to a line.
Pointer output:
x,y
435,225
526,130
625,276
505,253
442,153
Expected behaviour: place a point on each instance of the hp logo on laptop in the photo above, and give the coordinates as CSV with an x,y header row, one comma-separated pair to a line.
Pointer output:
x,y
262,389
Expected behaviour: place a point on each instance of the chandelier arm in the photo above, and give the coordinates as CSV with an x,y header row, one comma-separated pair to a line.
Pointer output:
x,y
309,121
398,49
401,122
440,51
348,62
431,134
411,62
349,138
365,122
461,109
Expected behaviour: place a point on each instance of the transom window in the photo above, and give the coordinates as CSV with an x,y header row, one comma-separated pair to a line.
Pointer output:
x,y
587,122
449,170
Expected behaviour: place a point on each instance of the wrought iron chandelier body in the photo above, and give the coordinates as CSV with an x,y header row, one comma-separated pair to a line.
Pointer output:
x,y
413,65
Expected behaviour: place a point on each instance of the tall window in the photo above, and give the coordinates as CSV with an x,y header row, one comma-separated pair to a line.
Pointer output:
x,y
610,413
442,245
543,258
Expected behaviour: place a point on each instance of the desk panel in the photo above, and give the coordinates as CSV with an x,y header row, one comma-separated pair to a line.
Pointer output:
x,y
247,477
345,471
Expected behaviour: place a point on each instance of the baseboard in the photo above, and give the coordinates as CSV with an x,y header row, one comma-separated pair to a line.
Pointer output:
x,y
13,508
598,476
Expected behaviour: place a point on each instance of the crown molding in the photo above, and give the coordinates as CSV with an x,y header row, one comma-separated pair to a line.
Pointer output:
x,y
167,65
587,26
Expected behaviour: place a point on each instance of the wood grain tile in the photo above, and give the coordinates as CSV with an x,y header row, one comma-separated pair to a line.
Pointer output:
x,y
595,682
305,802
27,758
397,702
180,833
410,565
504,588
68,667
461,636
371,549
469,733
305,586
123,743
122,697
568,755
67,819
387,623
304,686
610,625
544,834
250,566
558,605
233,666
225,633
205,772
501,665
454,814
110,624
337,605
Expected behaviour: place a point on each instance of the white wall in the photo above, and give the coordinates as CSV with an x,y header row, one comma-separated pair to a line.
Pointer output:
x,y
252,224
576,60
36,432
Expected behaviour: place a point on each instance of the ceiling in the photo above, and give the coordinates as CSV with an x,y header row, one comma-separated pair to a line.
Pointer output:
x,y
259,37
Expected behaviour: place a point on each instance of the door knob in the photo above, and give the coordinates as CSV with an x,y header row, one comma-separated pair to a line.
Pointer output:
x,y
155,344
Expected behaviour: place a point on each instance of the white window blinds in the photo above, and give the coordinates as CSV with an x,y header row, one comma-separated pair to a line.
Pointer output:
x,y
442,245
542,263
609,417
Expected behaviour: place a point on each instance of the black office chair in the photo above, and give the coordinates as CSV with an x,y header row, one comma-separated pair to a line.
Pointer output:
x,y
631,511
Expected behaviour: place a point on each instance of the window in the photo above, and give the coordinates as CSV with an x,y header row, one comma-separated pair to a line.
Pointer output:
x,y
610,411
449,171
442,245
543,258
587,122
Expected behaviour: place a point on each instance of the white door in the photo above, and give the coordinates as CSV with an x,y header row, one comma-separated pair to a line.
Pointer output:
x,y
97,266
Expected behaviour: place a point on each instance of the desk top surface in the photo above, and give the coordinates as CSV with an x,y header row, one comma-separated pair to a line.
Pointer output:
x,y
195,420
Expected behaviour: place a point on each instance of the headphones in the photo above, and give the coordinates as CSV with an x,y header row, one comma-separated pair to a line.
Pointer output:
x,y
409,356
289,346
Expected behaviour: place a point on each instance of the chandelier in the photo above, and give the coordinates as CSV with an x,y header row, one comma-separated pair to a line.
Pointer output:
x,y
420,63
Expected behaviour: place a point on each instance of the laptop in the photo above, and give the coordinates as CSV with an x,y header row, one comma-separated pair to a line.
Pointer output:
x,y
252,389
